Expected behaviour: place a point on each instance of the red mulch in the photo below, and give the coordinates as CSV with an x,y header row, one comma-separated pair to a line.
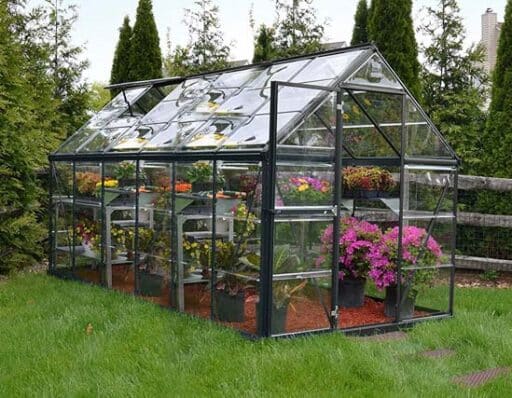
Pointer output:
x,y
304,313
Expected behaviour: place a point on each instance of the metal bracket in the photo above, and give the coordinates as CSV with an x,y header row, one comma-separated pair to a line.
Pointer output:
x,y
334,313
340,106
335,210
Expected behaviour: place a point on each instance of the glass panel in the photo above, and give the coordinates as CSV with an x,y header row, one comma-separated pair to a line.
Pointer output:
x,y
426,267
135,138
278,72
213,132
77,139
256,131
294,99
188,91
172,135
88,183
422,139
304,184
424,193
302,236
147,102
211,100
61,217
237,79
89,265
162,113
361,137
300,305
326,67
246,102
155,235
126,121
375,72
102,139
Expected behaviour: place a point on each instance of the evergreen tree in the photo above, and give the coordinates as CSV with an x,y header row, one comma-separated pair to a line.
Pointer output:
x,y
264,47
390,27
298,31
24,139
454,82
360,32
145,57
498,133
207,50
67,67
120,72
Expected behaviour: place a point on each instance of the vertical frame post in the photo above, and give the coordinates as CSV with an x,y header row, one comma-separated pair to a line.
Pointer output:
x,y
338,187
268,208
174,241
73,221
454,239
52,219
104,228
401,210
213,257
136,234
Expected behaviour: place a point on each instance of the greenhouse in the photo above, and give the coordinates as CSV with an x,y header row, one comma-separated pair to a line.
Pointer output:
x,y
309,194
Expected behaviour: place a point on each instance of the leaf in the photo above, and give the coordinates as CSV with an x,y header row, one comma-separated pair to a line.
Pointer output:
x,y
89,329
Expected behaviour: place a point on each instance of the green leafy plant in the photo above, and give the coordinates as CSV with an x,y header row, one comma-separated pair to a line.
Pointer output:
x,y
125,171
201,172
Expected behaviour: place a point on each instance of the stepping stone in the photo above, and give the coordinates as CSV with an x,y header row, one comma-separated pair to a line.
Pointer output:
x,y
385,336
440,353
479,378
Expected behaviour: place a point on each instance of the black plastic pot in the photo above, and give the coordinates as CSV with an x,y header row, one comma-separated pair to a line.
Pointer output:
x,y
371,194
407,304
351,292
230,308
150,284
201,186
278,318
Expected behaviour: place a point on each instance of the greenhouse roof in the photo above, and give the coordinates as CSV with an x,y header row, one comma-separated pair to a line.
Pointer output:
x,y
229,110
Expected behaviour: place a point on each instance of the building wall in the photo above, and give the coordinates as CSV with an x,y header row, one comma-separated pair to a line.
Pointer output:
x,y
490,36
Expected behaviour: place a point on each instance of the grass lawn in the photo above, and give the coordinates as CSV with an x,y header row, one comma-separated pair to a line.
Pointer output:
x,y
138,349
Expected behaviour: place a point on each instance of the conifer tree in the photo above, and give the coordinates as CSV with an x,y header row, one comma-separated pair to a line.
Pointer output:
x,y
298,31
498,133
120,72
207,50
360,32
24,140
454,82
264,46
390,27
146,56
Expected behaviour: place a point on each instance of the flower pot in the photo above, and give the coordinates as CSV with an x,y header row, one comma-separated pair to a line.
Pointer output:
x,y
201,186
351,292
150,284
366,194
230,308
407,305
278,318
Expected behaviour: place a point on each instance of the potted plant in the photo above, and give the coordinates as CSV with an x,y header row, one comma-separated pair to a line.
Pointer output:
x,y
357,239
367,182
200,175
235,270
125,173
305,191
283,291
86,182
417,251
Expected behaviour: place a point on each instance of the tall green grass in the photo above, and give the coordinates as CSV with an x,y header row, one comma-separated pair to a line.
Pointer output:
x,y
137,349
